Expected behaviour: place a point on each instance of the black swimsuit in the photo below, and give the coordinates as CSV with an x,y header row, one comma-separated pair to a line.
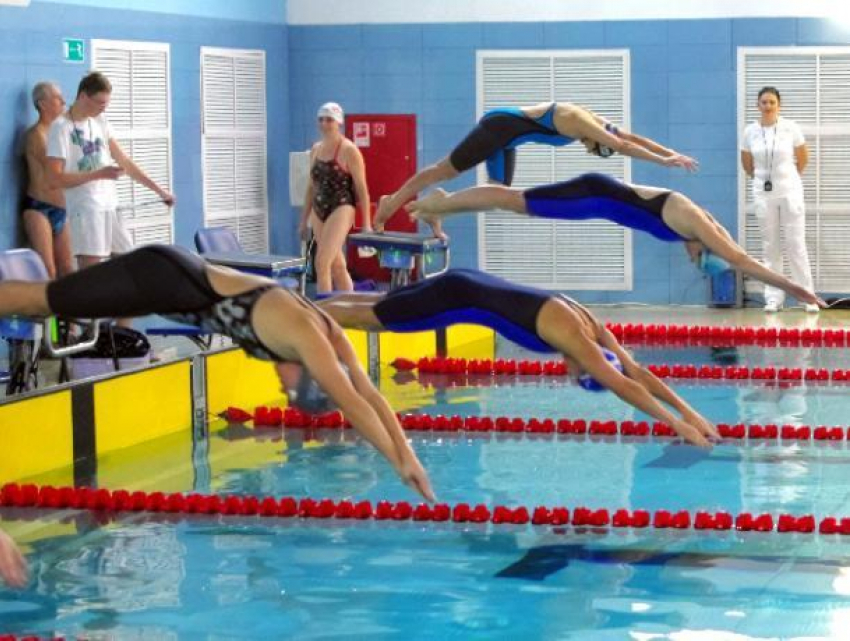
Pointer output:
x,y
333,186
164,280
467,296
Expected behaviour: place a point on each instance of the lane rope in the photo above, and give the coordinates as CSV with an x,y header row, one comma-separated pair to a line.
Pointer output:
x,y
290,417
107,502
484,369
729,335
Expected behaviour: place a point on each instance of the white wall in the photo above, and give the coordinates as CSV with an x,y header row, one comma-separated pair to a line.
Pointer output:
x,y
329,12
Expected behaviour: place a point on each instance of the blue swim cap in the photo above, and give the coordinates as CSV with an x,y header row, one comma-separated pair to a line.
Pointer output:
x,y
590,384
712,264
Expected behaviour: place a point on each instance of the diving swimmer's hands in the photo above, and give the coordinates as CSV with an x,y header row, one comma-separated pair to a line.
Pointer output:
x,y
705,427
680,160
410,471
804,295
691,433
13,567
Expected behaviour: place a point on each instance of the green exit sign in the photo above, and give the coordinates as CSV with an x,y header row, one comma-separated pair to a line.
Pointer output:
x,y
73,50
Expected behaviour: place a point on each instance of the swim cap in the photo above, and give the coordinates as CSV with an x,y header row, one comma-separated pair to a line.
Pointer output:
x,y
309,396
590,384
331,110
604,151
712,264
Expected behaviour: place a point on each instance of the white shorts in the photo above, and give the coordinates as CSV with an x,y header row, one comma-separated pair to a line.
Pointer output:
x,y
98,233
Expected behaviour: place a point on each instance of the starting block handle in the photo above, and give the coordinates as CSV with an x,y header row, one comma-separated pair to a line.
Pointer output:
x,y
76,348
421,267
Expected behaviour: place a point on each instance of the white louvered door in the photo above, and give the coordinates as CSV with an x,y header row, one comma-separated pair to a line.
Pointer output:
x,y
140,115
233,94
815,87
580,255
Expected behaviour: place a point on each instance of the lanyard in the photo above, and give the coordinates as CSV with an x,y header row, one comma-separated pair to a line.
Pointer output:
x,y
769,159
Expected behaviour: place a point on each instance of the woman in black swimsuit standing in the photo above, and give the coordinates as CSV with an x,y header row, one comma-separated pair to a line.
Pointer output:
x,y
337,185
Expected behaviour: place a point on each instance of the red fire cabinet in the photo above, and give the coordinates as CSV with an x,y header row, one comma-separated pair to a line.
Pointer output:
x,y
388,145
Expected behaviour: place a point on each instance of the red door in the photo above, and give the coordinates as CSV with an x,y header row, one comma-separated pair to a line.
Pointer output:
x,y
388,145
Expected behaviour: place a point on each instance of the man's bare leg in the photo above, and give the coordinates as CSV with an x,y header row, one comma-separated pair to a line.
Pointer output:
x,y
40,235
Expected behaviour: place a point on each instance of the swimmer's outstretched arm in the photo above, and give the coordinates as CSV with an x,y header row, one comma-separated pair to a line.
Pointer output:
x,y
320,358
410,469
586,353
654,385
13,566
585,124
691,221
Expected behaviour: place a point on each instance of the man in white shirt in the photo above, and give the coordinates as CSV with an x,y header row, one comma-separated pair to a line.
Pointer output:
x,y
84,160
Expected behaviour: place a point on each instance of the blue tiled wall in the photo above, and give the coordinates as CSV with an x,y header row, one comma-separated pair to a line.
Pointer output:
x,y
683,94
30,50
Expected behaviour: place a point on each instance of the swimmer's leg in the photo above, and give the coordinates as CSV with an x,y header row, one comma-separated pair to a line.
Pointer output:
x,y
694,223
23,299
353,311
439,203
388,205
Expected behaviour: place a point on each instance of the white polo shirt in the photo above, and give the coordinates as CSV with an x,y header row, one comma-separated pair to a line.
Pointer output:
x,y
779,142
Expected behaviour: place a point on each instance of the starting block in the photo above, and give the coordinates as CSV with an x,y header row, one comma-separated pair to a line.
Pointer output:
x,y
290,270
404,253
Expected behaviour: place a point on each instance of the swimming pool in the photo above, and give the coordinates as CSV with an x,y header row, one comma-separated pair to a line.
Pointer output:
x,y
165,577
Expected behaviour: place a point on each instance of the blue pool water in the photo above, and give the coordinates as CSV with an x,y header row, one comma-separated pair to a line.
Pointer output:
x,y
236,578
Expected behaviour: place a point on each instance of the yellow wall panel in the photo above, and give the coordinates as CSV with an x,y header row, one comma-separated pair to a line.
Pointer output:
x,y
162,465
234,379
414,345
471,341
132,409
35,436
360,340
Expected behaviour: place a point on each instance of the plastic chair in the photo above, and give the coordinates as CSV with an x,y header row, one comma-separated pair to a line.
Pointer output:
x,y
216,239
24,335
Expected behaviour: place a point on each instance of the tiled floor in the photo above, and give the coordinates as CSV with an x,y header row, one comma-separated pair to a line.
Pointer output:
x,y
750,317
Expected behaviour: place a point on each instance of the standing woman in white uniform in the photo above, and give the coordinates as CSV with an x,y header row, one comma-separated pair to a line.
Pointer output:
x,y
774,155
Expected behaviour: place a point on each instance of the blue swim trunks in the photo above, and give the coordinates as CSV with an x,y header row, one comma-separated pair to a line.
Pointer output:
x,y
55,215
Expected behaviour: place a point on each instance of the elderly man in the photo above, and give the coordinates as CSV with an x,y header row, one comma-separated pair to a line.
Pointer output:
x,y
44,213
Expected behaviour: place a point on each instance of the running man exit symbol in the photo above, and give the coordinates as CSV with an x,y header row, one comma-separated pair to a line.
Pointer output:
x,y
73,50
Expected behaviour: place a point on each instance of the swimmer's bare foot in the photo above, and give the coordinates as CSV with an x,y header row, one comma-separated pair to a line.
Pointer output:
x,y
428,210
386,209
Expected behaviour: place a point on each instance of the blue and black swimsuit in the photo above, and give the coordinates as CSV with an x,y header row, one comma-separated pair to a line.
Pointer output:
x,y
598,196
495,139
467,296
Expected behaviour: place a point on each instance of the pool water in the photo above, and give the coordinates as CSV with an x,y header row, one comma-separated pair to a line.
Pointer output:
x,y
145,577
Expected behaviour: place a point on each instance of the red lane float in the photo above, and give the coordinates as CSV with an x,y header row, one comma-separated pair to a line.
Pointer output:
x,y
14,495
503,367
727,335
12,637
290,417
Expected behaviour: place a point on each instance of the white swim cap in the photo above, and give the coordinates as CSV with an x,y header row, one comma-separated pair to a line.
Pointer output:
x,y
331,110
